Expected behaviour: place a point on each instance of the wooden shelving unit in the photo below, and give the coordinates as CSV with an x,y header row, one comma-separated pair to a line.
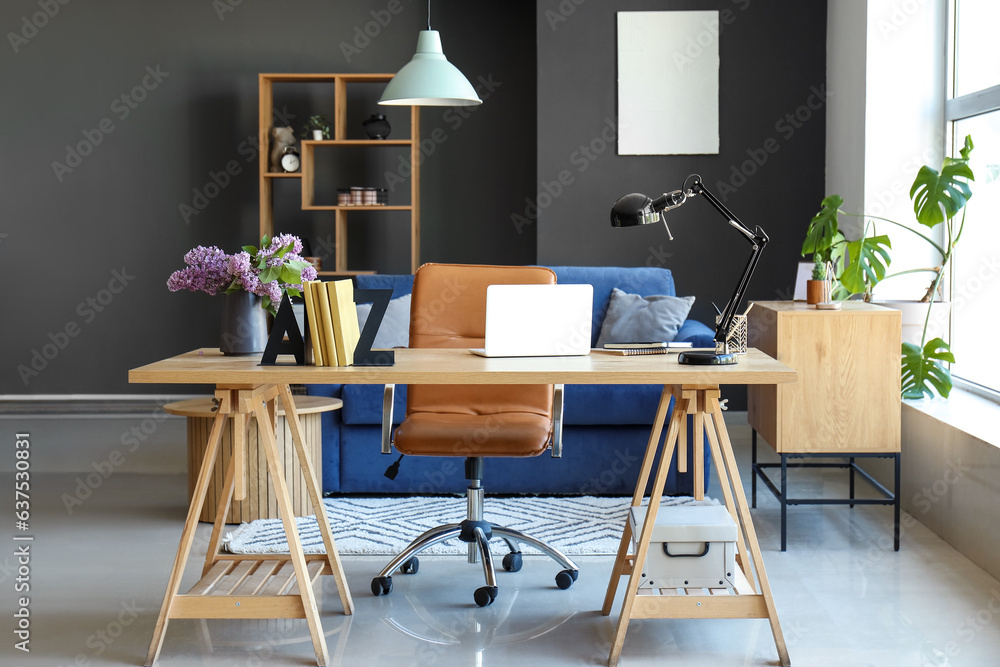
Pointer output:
x,y
308,148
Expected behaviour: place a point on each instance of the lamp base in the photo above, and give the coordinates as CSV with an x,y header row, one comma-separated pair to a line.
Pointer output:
x,y
706,359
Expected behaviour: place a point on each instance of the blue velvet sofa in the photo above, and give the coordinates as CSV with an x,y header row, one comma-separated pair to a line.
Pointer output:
x,y
606,427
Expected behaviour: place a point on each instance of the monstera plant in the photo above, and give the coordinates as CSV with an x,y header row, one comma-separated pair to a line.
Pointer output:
x,y
938,197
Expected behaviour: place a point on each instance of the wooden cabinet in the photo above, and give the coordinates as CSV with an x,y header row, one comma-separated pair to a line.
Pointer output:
x,y
847,397
341,85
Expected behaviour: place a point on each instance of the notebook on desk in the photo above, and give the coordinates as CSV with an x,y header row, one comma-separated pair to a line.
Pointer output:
x,y
537,320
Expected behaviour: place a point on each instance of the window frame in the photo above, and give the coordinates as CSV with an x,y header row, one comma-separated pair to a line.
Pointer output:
x,y
956,109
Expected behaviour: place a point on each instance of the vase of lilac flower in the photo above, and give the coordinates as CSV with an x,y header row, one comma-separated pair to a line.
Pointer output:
x,y
253,280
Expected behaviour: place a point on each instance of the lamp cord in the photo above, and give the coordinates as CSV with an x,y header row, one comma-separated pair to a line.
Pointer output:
x,y
428,14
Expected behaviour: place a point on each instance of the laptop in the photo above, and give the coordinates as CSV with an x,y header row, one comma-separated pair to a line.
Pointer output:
x,y
537,320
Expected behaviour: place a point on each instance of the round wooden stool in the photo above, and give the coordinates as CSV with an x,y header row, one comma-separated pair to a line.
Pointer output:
x,y
260,502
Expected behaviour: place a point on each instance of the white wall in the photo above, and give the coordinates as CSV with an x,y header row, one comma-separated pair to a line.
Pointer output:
x,y
885,69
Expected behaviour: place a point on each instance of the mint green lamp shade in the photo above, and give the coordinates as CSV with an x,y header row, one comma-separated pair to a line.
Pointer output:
x,y
429,79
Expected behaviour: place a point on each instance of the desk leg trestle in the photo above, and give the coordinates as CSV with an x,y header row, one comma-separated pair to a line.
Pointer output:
x,y
253,586
752,596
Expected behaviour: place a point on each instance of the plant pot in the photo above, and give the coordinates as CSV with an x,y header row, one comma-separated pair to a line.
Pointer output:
x,y
914,314
318,135
244,324
816,291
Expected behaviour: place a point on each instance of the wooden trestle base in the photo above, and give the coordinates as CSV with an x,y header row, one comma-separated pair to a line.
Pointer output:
x,y
751,597
253,586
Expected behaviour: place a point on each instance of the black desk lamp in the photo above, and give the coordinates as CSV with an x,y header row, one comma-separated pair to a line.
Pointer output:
x,y
638,209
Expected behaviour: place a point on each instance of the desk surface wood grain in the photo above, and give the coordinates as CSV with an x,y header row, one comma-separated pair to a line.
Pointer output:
x,y
459,366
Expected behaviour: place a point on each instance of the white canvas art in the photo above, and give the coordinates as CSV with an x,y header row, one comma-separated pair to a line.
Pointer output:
x,y
668,83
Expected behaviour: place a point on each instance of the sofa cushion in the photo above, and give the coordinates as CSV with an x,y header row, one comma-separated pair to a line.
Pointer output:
x,y
394,330
633,318
641,280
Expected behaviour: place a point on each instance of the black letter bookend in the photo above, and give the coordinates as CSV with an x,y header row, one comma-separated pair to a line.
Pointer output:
x,y
364,355
284,322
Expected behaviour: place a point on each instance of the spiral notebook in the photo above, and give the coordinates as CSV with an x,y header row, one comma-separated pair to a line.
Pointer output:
x,y
627,350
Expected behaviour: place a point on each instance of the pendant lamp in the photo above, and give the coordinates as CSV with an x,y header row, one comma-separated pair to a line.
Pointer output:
x,y
429,79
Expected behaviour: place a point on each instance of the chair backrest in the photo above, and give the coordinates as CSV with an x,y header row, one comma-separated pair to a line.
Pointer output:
x,y
448,309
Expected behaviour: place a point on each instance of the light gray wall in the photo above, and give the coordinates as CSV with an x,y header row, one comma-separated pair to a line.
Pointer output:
x,y
85,254
846,69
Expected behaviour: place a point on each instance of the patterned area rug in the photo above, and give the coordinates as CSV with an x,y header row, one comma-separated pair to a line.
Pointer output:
x,y
575,525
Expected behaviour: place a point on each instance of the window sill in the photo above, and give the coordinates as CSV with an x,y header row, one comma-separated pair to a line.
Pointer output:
x,y
965,411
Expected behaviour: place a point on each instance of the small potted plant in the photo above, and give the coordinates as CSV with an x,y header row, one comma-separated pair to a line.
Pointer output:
x,y
317,128
816,287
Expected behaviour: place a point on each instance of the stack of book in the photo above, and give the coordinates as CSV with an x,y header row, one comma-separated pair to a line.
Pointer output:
x,y
332,320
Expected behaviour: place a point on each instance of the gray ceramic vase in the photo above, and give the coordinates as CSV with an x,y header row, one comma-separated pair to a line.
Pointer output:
x,y
244,324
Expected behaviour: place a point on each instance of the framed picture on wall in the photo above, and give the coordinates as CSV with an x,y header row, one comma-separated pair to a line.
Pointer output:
x,y
668,83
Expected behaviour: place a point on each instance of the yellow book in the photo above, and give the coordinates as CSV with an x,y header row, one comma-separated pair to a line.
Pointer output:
x,y
313,322
326,319
345,319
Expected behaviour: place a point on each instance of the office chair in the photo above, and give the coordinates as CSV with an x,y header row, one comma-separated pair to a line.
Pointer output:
x,y
448,309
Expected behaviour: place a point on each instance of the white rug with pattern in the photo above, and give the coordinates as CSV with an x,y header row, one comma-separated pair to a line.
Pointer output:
x,y
574,525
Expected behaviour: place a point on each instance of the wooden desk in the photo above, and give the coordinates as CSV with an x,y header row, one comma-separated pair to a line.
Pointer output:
x,y
243,387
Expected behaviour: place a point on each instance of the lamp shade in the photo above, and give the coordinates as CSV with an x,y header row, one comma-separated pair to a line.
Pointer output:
x,y
429,79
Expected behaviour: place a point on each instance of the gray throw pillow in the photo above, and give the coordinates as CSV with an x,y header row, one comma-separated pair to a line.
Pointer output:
x,y
634,319
395,328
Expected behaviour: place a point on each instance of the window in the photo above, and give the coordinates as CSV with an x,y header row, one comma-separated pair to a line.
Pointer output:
x,y
973,108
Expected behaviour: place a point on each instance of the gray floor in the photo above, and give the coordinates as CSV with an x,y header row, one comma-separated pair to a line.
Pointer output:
x,y
97,577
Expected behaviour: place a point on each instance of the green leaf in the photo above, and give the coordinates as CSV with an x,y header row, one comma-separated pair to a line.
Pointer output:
x,y
284,251
297,264
967,148
938,196
250,249
289,276
823,226
265,241
291,291
868,261
270,274
923,370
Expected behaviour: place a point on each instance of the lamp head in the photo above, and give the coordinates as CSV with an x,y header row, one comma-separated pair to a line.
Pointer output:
x,y
638,209
429,79
634,209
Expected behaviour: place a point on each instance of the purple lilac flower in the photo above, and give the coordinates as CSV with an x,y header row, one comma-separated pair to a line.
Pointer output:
x,y
211,270
207,271
281,240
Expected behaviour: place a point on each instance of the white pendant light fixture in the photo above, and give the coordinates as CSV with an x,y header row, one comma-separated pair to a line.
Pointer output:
x,y
429,79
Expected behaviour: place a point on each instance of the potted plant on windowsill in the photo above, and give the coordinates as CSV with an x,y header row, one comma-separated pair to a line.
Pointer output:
x,y
938,197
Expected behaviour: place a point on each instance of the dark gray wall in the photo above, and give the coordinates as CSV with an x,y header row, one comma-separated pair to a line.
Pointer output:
x,y
771,84
85,254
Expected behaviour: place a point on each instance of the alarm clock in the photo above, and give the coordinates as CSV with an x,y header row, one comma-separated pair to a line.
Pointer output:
x,y
290,160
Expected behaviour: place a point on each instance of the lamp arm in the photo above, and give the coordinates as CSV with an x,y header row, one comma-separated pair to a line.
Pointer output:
x,y
757,239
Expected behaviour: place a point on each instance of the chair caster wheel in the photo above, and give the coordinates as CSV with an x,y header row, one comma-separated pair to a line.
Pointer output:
x,y
410,567
486,595
381,586
512,562
566,578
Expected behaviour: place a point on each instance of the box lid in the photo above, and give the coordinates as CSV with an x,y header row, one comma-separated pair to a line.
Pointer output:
x,y
687,523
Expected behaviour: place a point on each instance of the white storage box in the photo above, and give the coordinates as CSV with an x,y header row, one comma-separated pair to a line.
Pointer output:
x,y
693,546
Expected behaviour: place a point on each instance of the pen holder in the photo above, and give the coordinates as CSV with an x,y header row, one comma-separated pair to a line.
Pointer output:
x,y
737,336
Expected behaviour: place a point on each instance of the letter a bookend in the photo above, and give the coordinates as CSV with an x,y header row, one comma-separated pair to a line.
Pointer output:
x,y
284,322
